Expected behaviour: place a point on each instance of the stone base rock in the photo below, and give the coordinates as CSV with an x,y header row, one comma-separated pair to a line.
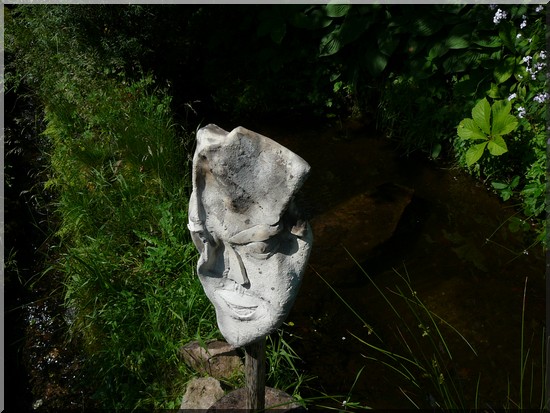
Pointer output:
x,y
218,359
201,393
275,400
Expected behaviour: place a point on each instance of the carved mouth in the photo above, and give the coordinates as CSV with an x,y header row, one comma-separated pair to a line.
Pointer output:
x,y
243,306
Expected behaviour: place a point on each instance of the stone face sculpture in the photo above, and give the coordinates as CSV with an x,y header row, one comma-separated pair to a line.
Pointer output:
x,y
253,245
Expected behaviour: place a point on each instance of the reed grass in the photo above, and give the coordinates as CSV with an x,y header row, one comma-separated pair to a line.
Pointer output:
x,y
425,357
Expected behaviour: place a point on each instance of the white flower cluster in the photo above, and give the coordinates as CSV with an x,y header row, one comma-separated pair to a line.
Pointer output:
x,y
535,68
539,8
541,97
523,24
521,112
499,15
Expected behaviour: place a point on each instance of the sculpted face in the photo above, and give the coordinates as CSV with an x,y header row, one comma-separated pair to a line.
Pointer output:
x,y
242,219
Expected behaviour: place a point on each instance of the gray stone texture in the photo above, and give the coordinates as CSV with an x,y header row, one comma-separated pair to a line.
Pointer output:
x,y
201,393
218,359
253,244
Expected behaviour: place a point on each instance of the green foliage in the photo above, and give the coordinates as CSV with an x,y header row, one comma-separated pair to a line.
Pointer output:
x,y
488,124
118,166
284,372
519,83
130,264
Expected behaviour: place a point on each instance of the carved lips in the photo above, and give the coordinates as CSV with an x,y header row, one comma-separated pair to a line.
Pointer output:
x,y
242,306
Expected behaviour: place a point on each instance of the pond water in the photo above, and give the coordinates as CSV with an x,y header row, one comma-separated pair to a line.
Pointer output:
x,y
445,231
395,215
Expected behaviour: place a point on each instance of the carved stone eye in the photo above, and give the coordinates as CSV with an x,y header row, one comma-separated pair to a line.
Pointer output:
x,y
261,249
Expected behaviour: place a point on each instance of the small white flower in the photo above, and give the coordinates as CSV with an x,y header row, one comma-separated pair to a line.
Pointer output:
x,y
512,96
539,8
521,112
518,35
523,24
541,97
527,59
492,6
542,54
499,15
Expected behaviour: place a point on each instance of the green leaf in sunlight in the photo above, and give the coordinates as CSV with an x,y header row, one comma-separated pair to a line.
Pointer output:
x,y
497,145
467,129
481,113
503,122
474,153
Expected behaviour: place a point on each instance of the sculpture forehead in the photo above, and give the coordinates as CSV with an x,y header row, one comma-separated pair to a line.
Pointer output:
x,y
246,178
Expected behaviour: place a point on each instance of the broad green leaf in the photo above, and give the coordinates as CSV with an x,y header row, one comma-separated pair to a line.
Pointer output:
x,y
459,37
437,50
375,62
492,41
503,122
474,153
457,42
499,185
507,34
497,146
481,113
337,9
426,26
494,91
330,44
505,69
467,129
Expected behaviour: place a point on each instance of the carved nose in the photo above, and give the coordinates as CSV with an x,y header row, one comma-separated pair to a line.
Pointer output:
x,y
237,271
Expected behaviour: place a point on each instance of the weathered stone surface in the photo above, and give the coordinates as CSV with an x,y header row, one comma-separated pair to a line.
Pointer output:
x,y
275,400
218,359
253,244
201,393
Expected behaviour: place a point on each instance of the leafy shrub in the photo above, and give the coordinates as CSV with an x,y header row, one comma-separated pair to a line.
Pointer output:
x,y
518,84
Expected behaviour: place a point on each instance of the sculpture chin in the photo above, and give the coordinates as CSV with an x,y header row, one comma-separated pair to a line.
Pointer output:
x,y
241,327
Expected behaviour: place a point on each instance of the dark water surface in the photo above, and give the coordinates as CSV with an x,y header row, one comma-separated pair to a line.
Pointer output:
x,y
438,226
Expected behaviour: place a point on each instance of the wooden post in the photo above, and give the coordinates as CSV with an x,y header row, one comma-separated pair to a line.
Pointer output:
x,y
254,370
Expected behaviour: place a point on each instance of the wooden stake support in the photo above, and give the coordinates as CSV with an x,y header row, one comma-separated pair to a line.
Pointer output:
x,y
254,370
